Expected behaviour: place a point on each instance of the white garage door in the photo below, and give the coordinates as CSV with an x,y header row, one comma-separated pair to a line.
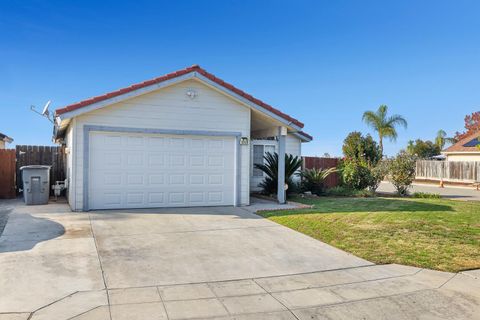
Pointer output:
x,y
130,170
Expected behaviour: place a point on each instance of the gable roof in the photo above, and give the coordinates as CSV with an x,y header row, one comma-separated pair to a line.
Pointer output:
x,y
467,144
194,68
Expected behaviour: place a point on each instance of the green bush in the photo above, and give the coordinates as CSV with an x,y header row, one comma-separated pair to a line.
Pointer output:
x,y
356,175
363,149
426,195
362,154
342,191
402,172
313,179
378,173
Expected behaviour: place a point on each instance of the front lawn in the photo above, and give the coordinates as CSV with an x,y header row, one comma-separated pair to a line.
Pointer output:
x,y
430,233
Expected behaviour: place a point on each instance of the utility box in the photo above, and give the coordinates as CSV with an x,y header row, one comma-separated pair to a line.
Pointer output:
x,y
36,184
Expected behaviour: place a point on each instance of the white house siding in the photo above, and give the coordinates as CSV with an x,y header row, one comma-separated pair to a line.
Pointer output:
x,y
170,108
463,157
293,145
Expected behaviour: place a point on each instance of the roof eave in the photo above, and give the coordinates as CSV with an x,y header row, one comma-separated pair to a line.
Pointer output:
x,y
462,152
305,137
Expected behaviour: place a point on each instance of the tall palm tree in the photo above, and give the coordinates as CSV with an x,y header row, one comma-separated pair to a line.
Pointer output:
x,y
383,124
441,139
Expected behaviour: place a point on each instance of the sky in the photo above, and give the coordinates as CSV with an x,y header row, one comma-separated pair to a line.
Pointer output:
x,y
323,62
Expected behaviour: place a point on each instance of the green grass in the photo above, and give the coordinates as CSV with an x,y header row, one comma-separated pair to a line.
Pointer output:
x,y
430,233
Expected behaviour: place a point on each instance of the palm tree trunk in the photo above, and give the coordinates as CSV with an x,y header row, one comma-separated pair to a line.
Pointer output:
x,y
380,143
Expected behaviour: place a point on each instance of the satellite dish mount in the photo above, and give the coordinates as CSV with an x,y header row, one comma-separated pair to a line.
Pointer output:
x,y
45,112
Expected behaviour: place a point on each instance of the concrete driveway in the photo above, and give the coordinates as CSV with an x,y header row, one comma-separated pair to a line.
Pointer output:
x,y
225,263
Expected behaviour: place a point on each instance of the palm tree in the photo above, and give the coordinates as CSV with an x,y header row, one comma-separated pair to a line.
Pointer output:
x,y
441,139
313,179
383,124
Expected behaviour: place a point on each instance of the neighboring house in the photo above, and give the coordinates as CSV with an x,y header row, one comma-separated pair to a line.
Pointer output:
x,y
4,139
467,149
183,139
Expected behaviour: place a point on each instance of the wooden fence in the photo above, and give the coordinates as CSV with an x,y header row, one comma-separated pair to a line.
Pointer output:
x,y
7,174
41,155
332,180
453,171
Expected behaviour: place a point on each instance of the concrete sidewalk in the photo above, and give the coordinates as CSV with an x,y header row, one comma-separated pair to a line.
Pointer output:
x,y
203,263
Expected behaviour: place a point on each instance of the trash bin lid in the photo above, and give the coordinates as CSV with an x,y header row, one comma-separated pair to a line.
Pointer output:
x,y
35,167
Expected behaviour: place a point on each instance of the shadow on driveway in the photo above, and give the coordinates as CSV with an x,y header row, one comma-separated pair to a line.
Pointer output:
x,y
24,231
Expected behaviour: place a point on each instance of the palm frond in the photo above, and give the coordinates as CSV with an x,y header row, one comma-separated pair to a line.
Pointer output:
x,y
390,132
270,168
397,119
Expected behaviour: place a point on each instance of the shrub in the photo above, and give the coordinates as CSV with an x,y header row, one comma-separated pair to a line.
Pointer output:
x,y
312,179
356,175
402,172
378,173
361,149
361,155
342,191
426,195
270,168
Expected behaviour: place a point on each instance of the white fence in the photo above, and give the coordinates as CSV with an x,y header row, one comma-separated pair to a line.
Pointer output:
x,y
454,171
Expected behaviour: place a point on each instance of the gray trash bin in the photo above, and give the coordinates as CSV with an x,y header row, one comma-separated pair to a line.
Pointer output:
x,y
36,184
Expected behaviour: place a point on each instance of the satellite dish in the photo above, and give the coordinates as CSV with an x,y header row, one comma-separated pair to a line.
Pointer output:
x,y
45,111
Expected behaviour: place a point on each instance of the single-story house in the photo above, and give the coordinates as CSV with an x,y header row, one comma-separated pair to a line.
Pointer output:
x,y
184,139
467,149
4,139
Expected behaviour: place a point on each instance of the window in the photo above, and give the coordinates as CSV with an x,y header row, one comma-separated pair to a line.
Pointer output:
x,y
257,159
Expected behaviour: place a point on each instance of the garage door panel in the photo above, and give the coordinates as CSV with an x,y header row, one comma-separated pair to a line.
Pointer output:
x,y
156,159
137,171
156,179
156,142
177,160
156,198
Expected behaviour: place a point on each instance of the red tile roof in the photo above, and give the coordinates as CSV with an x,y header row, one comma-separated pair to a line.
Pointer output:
x,y
172,75
459,146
